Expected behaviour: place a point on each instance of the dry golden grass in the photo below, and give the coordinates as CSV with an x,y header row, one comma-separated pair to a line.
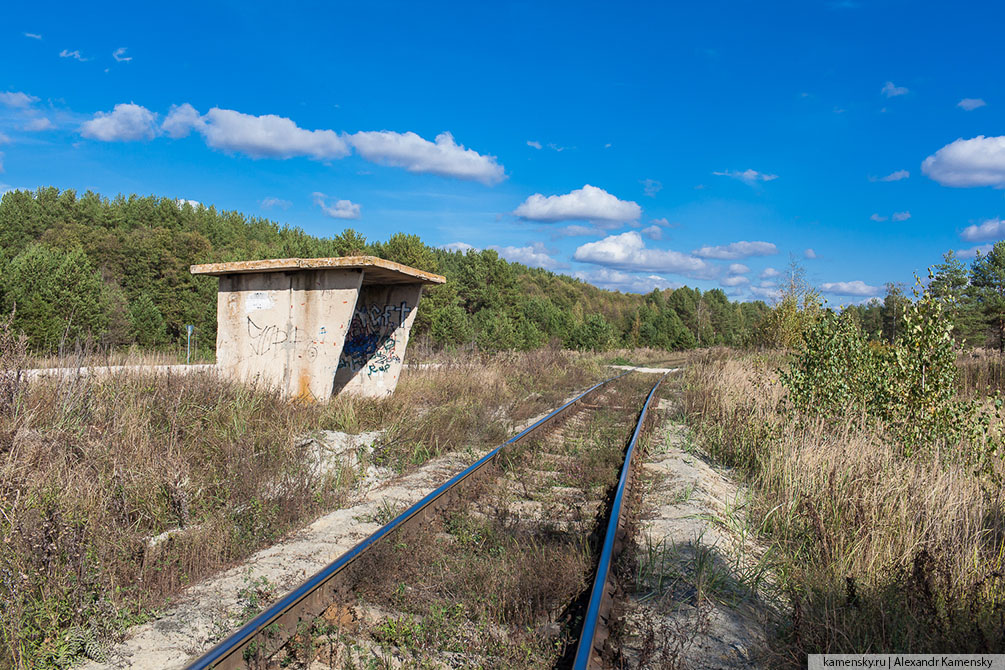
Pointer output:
x,y
878,552
93,467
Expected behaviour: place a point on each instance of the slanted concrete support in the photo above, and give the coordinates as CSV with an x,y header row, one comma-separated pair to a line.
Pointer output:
x,y
311,327
375,344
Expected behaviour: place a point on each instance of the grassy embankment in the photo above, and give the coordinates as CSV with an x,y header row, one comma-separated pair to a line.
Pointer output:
x,y
92,468
879,546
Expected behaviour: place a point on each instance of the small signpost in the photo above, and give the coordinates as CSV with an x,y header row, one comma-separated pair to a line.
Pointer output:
x,y
188,345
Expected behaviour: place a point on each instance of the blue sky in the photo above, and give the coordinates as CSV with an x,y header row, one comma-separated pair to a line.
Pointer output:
x,y
646,145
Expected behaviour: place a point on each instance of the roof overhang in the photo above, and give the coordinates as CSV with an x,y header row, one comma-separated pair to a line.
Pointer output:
x,y
375,270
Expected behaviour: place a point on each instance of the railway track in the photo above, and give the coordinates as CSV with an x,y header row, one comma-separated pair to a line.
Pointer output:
x,y
544,495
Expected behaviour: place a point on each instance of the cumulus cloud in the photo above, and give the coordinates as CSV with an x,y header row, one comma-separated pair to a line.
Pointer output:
x,y
343,209
989,229
746,176
120,55
856,287
266,136
75,54
766,292
970,104
972,252
534,143
17,99
893,176
589,203
535,255
651,187
768,273
463,247
269,203
627,251
738,269
809,253
127,122
735,280
181,202
891,91
616,280
979,161
653,232
445,157
734,250
900,216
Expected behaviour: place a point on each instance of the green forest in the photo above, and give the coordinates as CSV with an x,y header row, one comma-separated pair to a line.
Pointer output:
x,y
115,272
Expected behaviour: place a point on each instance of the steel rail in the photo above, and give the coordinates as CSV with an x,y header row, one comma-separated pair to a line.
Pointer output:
x,y
601,596
268,631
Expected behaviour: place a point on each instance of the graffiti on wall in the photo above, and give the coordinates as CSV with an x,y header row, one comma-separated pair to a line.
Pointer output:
x,y
266,338
370,343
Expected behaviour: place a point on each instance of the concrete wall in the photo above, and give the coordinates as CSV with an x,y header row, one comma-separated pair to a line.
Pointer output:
x,y
286,329
371,359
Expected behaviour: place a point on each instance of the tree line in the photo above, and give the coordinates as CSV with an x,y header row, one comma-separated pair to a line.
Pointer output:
x,y
116,272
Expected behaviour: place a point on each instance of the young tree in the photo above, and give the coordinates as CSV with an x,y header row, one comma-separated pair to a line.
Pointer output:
x,y
892,311
951,286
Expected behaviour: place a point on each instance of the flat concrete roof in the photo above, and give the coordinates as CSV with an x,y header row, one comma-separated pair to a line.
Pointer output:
x,y
375,270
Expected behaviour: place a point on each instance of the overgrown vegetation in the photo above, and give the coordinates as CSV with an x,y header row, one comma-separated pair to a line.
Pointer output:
x,y
117,271
116,491
877,480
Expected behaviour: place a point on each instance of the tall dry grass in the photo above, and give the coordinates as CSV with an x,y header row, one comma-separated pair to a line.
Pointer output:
x,y
876,551
92,468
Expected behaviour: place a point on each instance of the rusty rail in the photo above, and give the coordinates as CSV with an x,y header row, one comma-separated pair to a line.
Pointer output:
x,y
269,631
595,624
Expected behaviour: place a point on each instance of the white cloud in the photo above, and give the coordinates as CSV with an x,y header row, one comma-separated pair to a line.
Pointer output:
x,y
463,247
972,251
809,253
120,55
627,251
534,143
856,287
746,176
181,202
75,54
989,229
616,280
535,255
877,218
269,203
970,104
979,161
266,136
734,250
735,280
445,157
589,203
343,209
738,269
891,91
900,216
34,36
127,122
40,123
17,99
664,222
651,187
767,292
893,176
767,273
653,232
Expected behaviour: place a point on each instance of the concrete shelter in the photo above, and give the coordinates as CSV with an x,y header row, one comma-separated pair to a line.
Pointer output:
x,y
316,326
